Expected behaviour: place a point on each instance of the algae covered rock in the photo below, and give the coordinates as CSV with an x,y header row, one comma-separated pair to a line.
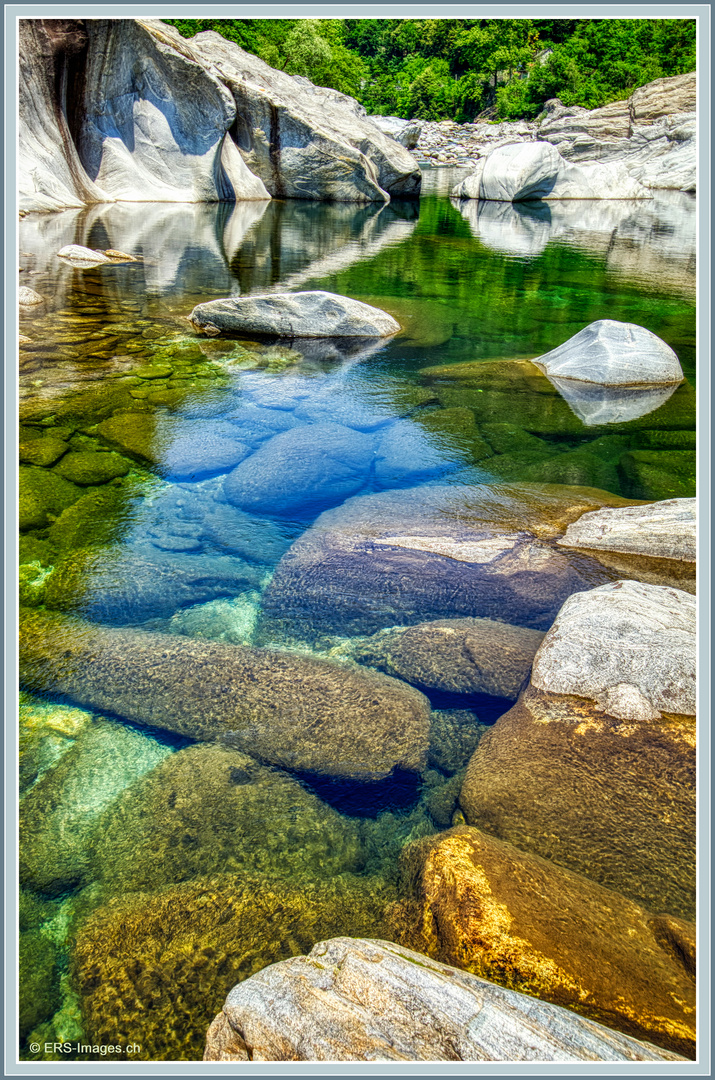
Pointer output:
x,y
58,812
607,787
658,474
535,927
288,709
211,809
482,551
372,1000
656,543
43,496
155,968
41,449
88,467
295,315
458,656
39,980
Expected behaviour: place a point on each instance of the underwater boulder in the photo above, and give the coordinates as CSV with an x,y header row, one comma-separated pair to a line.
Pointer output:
x,y
285,708
155,968
594,767
294,315
433,552
523,921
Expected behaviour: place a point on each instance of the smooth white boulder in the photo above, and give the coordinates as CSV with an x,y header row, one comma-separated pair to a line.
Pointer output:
x,y
612,353
28,297
294,315
627,646
357,999
662,530
82,256
536,170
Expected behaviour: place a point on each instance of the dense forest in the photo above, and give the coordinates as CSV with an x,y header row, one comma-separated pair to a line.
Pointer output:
x,y
459,69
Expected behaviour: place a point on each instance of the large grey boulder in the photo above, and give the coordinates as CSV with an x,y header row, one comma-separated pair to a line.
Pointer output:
x,y
536,170
305,141
606,786
652,134
433,552
294,315
370,1000
656,543
628,646
613,353
285,708
405,132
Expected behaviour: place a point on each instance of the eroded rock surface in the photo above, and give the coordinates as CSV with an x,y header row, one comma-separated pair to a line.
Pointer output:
x,y
527,923
613,353
535,170
370,1000
433,552
287,709
295,315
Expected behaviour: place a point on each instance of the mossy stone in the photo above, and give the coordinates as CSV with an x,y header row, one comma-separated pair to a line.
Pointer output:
x,y
133,433
154,371
87,467
658,474
39,980
178,351
156,968
43,496
456,428
96,403
41,449
579,468
35,549
667,440
211,809
32,577
454,736
444,800
99,517
510,438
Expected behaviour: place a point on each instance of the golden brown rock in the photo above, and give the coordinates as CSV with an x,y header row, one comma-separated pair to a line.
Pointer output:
x,y
526,923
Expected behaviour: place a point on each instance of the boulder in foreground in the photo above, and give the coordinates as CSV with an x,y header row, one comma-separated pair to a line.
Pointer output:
x,y
528,924
289,710
594,767
294,315
524,171
357,999
613,353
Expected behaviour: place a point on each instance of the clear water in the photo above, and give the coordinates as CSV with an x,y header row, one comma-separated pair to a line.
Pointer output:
x,y
145,536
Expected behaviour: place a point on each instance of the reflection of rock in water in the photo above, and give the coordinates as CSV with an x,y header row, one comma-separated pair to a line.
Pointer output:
x,y
647,243
610,404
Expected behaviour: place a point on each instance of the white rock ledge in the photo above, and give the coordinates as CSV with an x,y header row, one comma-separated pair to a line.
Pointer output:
x,y
661,530
628,646
612,353
354,999
294,315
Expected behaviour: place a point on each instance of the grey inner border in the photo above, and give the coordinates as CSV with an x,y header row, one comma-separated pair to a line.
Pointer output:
x,y
704,413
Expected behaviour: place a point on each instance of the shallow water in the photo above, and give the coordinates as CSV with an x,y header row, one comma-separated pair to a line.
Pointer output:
x,y
130,427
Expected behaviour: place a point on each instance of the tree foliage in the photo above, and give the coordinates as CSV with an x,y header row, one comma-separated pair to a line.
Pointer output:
x,y
435,69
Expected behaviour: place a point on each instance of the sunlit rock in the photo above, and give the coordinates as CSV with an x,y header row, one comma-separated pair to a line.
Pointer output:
x,y
612,353
294,315
372,1000
523,921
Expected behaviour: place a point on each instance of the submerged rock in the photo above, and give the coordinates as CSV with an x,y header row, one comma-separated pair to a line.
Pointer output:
x,y
612,353
536,170
58,813
155,968
295,315
607,786
92,467
302,470
370,1000
27,297
288,709
433,552
656,543
525,922
210,809
39,979
458,656
43,496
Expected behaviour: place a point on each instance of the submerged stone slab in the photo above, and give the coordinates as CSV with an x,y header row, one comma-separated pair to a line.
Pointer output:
x,y
527,923
434,552
288,709
536,170
612,353
295,315
370,1000
656,542
459,656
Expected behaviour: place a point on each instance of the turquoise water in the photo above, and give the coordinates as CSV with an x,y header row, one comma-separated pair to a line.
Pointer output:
x,y
131,429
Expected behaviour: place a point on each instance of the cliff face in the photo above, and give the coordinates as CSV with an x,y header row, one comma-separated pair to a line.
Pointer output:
x,y
126,109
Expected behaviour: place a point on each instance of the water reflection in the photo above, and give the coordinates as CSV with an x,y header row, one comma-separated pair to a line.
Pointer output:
x,y
610,404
